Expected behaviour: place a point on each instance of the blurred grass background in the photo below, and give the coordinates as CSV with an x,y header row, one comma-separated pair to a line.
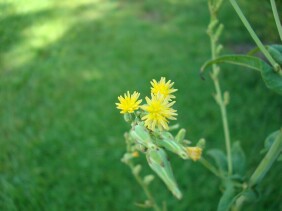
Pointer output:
x,y
63,64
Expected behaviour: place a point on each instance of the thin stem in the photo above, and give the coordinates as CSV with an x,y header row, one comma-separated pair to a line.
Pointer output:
x,y
213,40
276,18
225,125
253,35
210,167
145,188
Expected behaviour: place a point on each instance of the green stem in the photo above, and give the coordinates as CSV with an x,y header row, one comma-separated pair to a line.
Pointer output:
x,y
267,161
276,18
210,167
145,188
253,35
219,98
225,125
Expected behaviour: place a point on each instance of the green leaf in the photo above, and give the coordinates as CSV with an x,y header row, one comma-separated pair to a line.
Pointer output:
x,y
275,53
248,195
242,60
219,158
271,78
238,159
227,198
159,163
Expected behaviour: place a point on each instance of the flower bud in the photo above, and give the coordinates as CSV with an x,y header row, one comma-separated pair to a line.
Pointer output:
x,y
148,179
141,135
180,136
194,153
201,143
136,170
127,117
226,98
126,157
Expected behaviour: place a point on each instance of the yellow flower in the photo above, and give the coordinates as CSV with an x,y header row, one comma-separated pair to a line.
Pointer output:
x,y
194,153
158,110
128,103
163,87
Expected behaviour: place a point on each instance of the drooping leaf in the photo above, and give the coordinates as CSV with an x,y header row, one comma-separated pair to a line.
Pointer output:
x,y
242,60
238,159
271,78
219,158
159,163
227,198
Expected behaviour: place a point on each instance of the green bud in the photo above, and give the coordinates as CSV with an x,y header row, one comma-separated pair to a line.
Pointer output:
x,y
201,143
141,135
126,157
148,179
167,141
136,170
179,138
159,163
127,117
226,98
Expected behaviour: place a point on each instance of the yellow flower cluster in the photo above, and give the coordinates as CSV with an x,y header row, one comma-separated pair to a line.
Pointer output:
x,y
158,110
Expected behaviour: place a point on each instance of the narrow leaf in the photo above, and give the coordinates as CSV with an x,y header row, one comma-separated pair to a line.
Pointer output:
x,y
238,159
242,60
227,198
271,78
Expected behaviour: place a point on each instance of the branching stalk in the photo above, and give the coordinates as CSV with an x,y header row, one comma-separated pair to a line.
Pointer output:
x,y
144,187
218,96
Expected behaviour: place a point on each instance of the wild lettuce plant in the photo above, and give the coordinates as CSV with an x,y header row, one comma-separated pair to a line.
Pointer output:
x,y
150,132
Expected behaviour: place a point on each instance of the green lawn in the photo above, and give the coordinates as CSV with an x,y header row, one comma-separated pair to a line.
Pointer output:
x,y
62,66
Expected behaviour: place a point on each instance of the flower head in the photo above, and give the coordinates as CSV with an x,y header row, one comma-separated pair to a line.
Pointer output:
x,y
194,153
158,110
128,103
163,87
